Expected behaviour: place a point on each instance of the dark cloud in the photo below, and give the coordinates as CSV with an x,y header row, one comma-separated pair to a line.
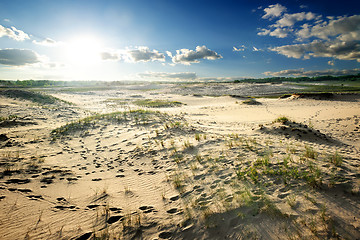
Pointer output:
x,y
18,57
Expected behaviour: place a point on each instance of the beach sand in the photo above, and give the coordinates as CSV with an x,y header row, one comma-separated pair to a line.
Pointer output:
x,y
212,168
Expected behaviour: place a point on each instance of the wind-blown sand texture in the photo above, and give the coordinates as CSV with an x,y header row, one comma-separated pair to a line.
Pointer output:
x,y
212,168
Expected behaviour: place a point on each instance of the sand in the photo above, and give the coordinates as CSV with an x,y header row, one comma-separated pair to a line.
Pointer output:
x,y
213,168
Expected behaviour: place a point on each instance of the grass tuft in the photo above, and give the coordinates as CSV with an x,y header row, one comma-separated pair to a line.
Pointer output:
x,y
156,103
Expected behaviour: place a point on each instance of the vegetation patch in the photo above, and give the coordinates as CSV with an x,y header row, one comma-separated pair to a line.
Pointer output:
x,y
155,103
137,116
30,96
8,118
251,101
281,119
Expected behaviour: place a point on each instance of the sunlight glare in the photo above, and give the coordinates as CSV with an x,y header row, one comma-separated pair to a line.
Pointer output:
x,y
84,50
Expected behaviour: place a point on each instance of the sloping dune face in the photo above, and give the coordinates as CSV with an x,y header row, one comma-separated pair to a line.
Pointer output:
x,y
206,167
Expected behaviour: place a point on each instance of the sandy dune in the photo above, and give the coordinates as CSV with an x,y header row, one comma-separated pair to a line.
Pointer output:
x,y
213,168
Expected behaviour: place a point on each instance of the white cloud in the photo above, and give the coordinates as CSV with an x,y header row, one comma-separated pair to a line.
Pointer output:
x,y
279,33
139,54
169,76
331,63
274,11
288,20
169,54
240,49
302,73
186,56
343,28
46,42
334,49
334,37
144,54
18,57
13,33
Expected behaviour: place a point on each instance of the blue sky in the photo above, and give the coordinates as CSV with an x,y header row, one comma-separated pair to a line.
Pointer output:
x,y
177,40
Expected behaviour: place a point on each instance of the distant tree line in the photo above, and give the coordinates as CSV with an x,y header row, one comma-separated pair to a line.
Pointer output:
x,y
300,79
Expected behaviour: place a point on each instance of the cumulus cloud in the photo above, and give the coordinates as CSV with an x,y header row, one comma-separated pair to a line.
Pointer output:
x,y
274,11
288,20
334,37
18,57
302,73
277,32
334,49
169,76
139,54
46,42
13,33
283,26
144,54
343,28
186,56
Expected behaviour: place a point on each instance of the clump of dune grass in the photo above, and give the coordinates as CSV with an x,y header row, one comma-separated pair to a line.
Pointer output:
x,y
139,116
30,96
281,119
251,101
156,103
335,158
8,118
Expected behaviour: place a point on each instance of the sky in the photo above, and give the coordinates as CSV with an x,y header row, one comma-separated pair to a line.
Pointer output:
x,y
190,40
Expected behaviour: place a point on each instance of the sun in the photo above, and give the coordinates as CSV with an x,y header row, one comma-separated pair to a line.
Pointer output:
x,y
83,50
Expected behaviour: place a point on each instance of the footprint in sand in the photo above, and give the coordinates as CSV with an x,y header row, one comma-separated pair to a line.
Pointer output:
x,y
174,210
114,219
85,236
35,197
17,181
147,209
165,235
71,207
174,198
115,209
92,206
24,190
